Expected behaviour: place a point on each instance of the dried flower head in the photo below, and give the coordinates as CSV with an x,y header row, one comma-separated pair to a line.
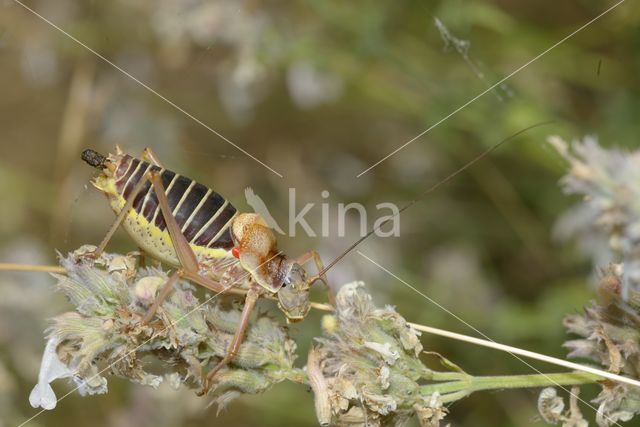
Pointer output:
x,y
609,180
609,332
104,335
366,369
552,408
370,362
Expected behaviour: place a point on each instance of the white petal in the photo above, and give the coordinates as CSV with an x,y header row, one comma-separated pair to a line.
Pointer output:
x,y
51,368
43,396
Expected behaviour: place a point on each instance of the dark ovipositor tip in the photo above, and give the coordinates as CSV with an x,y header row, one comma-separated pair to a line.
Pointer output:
x,y
94,158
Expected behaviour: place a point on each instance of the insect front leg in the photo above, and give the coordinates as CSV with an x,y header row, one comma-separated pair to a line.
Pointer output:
x,y
119,218
249,304
315,256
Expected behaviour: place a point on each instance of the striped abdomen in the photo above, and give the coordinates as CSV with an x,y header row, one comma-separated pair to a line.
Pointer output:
x,y
202,214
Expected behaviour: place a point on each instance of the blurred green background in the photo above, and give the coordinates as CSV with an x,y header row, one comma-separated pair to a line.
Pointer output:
x,y
319,91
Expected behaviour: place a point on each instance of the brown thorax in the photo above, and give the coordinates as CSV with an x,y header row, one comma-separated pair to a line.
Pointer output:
x,y
256,248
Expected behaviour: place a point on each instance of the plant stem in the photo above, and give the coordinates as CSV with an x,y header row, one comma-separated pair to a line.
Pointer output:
x,y
471,384
508,349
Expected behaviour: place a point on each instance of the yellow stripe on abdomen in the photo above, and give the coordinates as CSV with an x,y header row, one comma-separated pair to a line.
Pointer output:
x,y
155,242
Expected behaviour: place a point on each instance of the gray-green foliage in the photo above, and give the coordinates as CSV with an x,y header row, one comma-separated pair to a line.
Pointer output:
x,y
367,369
370,357
104,335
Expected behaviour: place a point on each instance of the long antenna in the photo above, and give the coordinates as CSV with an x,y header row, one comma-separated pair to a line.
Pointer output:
x,y
429,190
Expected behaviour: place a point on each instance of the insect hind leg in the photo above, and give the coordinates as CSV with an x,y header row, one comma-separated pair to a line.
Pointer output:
x,y
249,304
186,257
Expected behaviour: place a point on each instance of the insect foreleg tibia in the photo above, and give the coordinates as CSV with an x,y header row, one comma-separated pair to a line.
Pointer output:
x,y
189,264
249,304
120,217
315,256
